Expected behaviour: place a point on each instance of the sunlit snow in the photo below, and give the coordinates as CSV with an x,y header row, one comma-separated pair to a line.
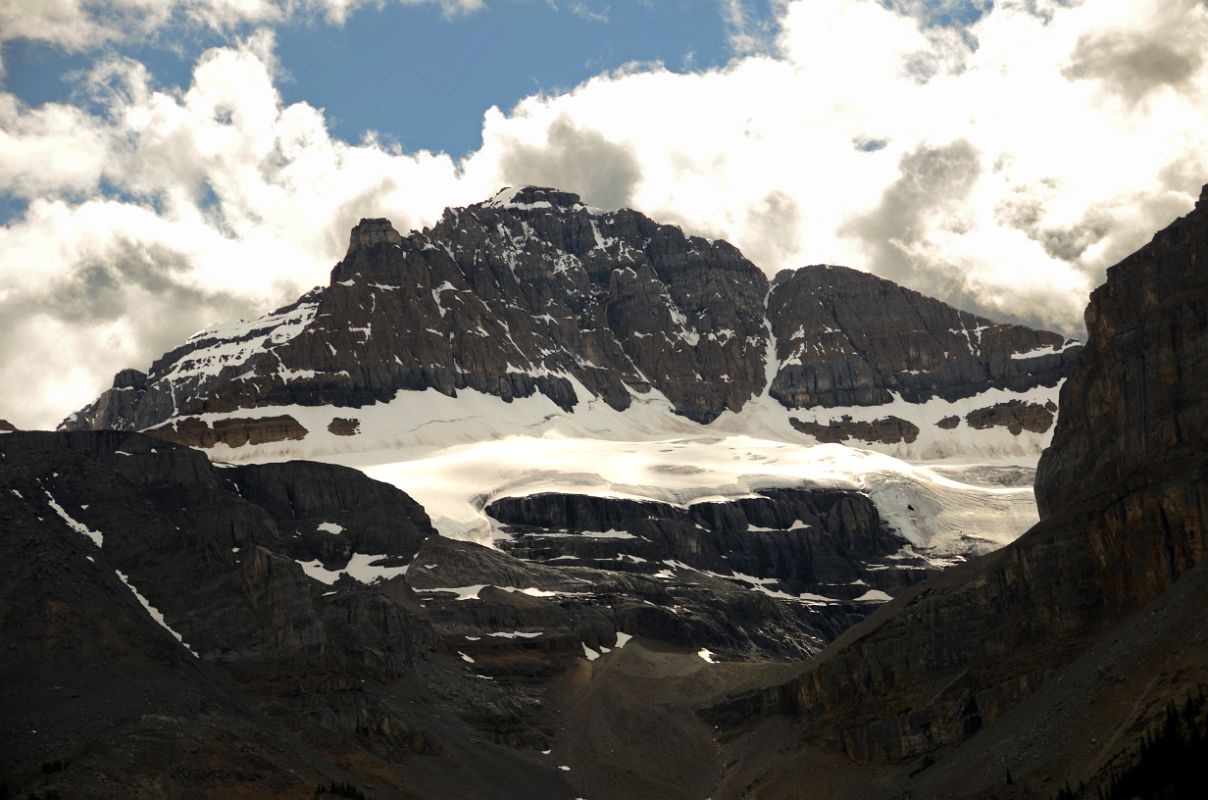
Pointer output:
x,y
456,454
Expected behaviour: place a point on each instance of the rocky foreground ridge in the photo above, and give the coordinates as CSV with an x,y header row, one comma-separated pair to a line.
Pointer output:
x,y
1047,660
176,628
532,293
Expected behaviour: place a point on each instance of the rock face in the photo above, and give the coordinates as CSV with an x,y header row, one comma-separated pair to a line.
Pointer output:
x,y
847,338
306,618
825,550
1122,494
532,293
344,426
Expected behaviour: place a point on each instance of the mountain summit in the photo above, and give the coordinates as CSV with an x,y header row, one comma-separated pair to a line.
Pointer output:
x,y
532,295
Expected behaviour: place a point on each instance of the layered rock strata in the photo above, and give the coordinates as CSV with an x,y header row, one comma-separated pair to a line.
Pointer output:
x,y
533,293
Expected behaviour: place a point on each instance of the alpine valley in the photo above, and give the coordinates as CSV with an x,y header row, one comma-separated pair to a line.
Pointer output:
x,y
551,501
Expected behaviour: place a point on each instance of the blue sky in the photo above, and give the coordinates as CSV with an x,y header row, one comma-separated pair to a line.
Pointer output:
x,y
420,77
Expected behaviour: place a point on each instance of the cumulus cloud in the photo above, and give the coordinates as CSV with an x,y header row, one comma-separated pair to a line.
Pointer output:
x,y
999,177
603,172
172,209
1167,51
1003,178
928,197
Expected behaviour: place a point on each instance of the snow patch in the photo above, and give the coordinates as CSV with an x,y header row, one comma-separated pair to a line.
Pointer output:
x,y
1048,350
360,567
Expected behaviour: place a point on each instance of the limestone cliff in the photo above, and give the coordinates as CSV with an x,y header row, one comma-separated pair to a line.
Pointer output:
x,y
1123,493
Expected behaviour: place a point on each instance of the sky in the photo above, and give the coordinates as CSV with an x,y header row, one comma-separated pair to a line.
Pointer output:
x,y
169,164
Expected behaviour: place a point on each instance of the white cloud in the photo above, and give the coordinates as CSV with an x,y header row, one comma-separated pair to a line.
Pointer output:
x,y
221,201
998,175
78,25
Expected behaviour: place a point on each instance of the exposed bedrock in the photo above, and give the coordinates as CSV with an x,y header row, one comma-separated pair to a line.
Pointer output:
x,y
532,293
232,432
1123,493
1015,416
805,539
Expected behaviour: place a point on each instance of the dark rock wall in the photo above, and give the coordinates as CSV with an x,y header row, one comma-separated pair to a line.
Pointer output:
x,y
1123,493
215,549
826,542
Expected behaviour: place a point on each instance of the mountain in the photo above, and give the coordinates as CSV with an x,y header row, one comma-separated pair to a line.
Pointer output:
x,y
1048,660
657,587
623,359
532,294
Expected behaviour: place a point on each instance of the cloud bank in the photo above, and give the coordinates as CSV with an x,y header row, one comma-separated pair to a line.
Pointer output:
x,y
1001,166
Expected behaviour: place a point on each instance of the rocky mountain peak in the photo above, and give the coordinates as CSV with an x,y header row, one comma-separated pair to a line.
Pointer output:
x,y
534,197
373,231
130,379
532,294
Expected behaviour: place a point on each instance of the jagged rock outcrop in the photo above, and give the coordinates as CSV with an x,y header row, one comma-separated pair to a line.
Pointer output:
x,y
825,543
369,232
232,432
889,430
344,426
533,293
6,426
1015,416
1122,495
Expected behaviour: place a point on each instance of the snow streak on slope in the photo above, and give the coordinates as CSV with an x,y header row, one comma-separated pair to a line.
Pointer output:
x,y
96,537
154,613
232,345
